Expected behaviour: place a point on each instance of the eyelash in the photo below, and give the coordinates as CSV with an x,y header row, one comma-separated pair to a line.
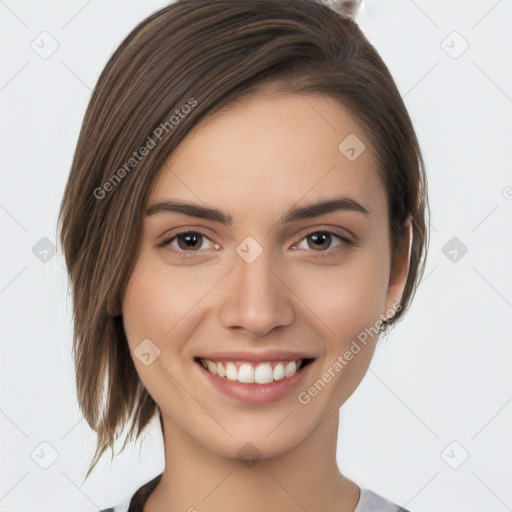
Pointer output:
x,y
329,253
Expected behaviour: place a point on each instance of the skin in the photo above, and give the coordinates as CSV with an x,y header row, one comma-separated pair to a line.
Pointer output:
x,y
254,161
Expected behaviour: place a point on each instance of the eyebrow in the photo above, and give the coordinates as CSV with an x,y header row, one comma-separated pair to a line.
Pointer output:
x,y
292,215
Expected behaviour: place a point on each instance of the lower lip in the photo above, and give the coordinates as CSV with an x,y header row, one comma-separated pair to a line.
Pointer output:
x,y
257,394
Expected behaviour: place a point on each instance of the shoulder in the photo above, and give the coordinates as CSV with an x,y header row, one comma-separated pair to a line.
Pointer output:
x,y
370,501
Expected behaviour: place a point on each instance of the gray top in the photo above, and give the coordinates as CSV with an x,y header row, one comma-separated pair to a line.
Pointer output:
x,y
368,501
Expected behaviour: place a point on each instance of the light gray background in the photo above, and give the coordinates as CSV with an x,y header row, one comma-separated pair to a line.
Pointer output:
x,y
437,391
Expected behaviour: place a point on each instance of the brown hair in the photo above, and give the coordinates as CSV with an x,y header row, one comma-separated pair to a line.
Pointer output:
x,y
174,70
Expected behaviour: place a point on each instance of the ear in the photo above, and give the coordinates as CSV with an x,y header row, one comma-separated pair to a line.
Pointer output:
x,y
400,270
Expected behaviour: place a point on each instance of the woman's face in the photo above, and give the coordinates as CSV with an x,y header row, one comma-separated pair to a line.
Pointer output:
x,y
281,281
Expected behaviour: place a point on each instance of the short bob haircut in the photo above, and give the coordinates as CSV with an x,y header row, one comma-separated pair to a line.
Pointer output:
x,y
170,74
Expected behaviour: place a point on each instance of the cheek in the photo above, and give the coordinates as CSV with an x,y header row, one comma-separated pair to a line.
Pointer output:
x,y
154,304
346,301
141,307
344,298
158,297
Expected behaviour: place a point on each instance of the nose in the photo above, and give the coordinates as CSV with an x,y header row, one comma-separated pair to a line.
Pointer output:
x,y
256,298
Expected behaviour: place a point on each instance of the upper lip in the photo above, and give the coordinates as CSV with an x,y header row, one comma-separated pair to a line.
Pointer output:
x,y
257,357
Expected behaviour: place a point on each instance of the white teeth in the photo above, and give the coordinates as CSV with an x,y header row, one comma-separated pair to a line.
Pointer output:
x,y
246,373
212,367
220,370
290,369
263,373
231,371
279,371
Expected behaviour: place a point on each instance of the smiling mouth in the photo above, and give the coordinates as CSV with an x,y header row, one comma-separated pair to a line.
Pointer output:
x,y
246,372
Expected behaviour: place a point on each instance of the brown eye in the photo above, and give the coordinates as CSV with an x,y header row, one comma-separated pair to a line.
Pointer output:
x,y
320,240
324,244
189,241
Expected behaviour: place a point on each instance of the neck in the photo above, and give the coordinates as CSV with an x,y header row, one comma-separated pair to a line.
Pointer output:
x,y
306,477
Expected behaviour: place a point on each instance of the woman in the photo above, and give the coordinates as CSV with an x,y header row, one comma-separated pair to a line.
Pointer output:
x,y
245,214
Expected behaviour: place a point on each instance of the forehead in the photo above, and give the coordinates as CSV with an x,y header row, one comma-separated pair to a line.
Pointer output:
x,y
271,150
